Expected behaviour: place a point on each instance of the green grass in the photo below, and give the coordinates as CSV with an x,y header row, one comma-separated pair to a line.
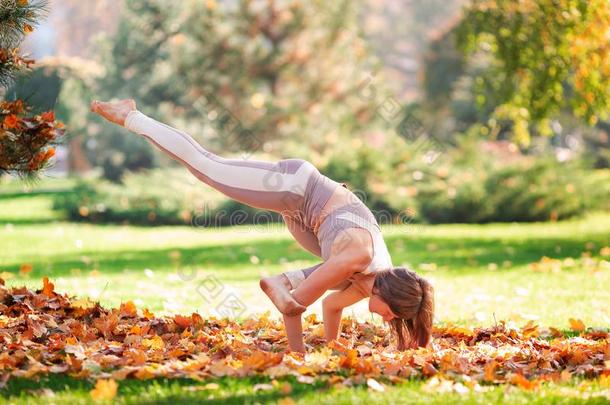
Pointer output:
x,y
481,273
243,391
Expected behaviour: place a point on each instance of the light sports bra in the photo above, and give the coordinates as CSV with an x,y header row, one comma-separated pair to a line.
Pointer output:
x,y
349,216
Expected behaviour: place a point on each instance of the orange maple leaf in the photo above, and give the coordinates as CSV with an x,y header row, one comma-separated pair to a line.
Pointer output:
x,y
106,324
490,371
128,309
25,268
48,287
48,116
49,153
104,389
577,325
147,314
11,121
183,321
520,381
261,360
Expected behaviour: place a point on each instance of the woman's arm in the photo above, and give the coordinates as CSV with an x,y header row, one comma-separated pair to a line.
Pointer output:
x,y
346,259
341,286
332,309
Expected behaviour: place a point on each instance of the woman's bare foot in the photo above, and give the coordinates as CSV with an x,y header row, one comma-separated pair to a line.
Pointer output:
x,y
114,111
277,289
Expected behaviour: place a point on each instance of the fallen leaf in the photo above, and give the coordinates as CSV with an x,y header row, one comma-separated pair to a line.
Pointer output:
x,y
155,343
522,382
51,333
128,309
25,269
48,287
577,325
104,389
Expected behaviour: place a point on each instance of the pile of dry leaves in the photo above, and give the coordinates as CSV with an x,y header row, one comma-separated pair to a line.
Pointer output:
x,y
46,332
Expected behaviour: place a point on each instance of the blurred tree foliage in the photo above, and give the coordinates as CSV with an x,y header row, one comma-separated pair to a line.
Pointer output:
x,y
136,64
63,84
76,22
545,55
255,76
400,31
274,72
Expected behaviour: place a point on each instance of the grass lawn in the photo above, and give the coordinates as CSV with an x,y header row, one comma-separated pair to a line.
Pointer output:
x,y
481,273
243,391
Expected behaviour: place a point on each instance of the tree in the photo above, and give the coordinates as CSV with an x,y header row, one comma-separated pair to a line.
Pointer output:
x,y
265,73
76,22
136,64
545,55
450,102
244,76
400,31
26,138
65,84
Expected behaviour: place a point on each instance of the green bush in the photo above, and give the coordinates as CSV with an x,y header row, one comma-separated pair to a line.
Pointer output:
x,y
362,168
530,189
597,184
464,186
459,198
537,191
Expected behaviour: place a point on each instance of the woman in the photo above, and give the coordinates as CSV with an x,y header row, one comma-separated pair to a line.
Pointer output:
x,y
323,216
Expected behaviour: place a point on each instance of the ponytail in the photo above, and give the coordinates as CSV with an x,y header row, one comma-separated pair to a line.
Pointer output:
x,y
421,325
411,297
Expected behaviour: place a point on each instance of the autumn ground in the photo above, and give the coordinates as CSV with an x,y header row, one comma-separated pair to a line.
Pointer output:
x,y
544,272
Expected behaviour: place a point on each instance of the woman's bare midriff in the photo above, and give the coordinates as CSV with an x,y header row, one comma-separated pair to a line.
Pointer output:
x,y
340,197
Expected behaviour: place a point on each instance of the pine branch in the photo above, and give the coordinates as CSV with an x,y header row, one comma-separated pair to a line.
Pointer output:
x,y
28,149
11,63
18,18
27,177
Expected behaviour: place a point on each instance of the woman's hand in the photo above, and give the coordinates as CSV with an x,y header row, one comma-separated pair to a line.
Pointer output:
x,y
350,253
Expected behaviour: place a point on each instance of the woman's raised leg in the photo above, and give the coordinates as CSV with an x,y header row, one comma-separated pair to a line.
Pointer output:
x,y
278,187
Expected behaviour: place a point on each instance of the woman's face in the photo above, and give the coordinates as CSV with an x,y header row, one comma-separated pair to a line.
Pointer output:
x,y
378,306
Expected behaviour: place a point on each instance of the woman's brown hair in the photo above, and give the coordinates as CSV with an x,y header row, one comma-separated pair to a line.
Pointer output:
x,y
411,298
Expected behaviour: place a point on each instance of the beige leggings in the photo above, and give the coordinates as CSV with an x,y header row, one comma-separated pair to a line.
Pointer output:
x,y
292,187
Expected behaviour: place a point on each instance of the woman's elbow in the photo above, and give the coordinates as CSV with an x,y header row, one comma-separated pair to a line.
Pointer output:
x,y
357,262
